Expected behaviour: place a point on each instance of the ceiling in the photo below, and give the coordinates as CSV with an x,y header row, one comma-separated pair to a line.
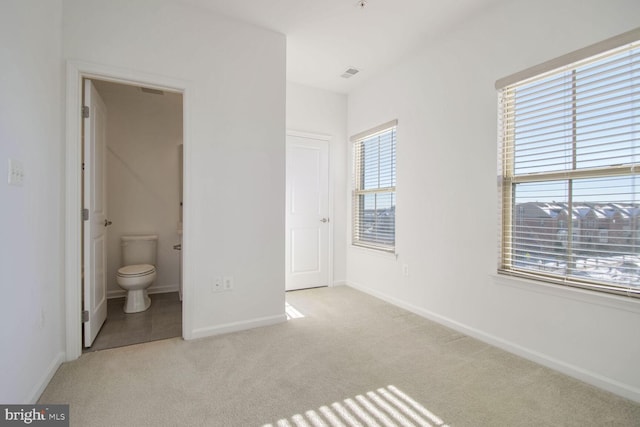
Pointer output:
x,y
325,37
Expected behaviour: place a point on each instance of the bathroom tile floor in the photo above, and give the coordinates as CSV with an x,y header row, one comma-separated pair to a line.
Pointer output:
x,y
162,320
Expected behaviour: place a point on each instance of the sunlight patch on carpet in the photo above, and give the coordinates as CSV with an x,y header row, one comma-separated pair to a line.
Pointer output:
x,y
385,407
291,311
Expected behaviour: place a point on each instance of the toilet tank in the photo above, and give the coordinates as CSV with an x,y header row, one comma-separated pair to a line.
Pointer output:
x,y
139,249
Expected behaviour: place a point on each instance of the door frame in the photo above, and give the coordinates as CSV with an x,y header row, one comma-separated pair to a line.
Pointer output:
x,y
76,72
328,139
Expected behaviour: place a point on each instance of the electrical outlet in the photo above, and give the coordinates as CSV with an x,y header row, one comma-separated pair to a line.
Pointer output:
x,y
405,269
227,283
16,173
217,284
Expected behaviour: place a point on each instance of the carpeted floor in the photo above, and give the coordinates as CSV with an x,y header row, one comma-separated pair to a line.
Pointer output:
x,y
351,359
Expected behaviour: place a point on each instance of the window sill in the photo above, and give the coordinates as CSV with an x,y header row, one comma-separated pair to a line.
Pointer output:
x,y
567,292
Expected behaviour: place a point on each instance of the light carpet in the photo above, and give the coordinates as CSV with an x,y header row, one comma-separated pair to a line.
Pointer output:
x,y
350,354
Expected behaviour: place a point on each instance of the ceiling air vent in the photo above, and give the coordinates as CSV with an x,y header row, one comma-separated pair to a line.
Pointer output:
x,y
350,72
153,91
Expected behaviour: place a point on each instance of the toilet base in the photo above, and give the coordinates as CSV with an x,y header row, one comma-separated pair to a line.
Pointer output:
x,y
136,301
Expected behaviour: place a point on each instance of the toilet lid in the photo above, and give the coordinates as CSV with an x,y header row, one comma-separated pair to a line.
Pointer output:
x,y
136,270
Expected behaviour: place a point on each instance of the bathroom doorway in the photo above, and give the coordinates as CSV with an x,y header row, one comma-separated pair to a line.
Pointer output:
x,y
142,171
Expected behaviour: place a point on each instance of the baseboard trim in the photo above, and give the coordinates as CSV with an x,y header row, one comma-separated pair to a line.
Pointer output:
x,y
44,381
120,293
597,380
236,326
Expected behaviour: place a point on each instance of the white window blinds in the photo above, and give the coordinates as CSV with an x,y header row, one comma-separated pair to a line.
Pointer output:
x,y
374,193
569,154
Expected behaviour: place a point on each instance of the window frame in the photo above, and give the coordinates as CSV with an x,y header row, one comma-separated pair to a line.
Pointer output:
x,y
508,179
358,185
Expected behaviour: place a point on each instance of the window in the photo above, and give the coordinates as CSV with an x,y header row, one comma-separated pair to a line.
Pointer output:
x,y
569,154
374,193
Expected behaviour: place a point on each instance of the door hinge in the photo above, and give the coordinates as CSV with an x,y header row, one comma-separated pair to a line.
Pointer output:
x,y
85,214
85,316
85,111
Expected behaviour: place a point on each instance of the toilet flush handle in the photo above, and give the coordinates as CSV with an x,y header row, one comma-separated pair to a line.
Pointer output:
x,y
107,223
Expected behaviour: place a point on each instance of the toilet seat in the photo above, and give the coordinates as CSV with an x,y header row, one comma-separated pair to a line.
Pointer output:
x,y
137,270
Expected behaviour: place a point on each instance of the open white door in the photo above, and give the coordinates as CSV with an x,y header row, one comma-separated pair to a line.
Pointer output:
x,y
94,202
307,220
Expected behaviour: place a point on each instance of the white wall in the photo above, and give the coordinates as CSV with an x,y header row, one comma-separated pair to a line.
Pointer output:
x,y
319,111
144,132
31,239
234,149
444,99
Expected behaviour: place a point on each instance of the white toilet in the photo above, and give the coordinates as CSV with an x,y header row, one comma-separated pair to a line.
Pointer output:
x,y
138,270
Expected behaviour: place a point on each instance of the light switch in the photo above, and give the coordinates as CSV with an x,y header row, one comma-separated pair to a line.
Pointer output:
x,y
16,173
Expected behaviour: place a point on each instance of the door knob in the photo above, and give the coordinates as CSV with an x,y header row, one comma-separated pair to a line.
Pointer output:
x,y
107,223
324,220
